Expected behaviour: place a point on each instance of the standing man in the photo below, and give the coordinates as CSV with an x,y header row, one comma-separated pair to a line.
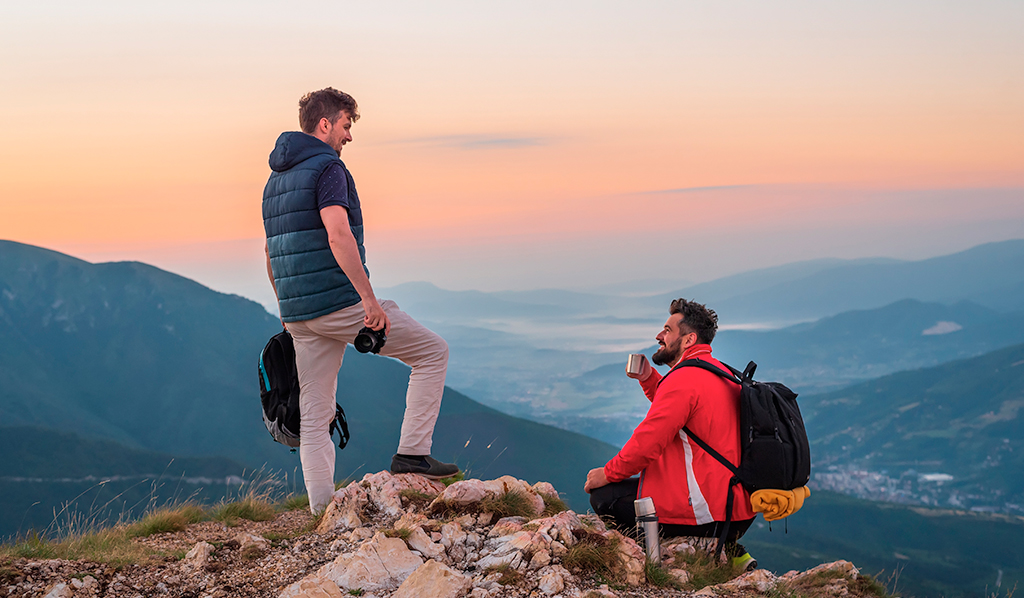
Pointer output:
x,y
689,487
316,263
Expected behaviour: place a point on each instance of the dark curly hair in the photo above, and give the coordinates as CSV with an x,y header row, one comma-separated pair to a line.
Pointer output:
x,y
697,317
325,103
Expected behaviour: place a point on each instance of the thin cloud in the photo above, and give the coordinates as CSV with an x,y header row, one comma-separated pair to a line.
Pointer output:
x,y
698,189
473,142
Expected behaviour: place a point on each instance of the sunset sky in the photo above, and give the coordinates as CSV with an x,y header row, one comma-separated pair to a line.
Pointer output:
x,y
512,145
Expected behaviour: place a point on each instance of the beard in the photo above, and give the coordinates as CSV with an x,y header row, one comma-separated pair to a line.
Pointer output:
x,y
666,355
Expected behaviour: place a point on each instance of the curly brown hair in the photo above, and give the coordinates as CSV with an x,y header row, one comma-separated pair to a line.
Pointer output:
x,y
326,103
697,317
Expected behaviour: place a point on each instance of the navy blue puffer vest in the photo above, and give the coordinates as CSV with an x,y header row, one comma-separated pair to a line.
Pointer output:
x,y
309,281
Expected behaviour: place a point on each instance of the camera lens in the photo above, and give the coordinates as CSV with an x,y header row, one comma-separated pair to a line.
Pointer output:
x,y
364,342
369,340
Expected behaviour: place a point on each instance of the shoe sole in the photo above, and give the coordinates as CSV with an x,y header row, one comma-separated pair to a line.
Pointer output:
x,y
427,475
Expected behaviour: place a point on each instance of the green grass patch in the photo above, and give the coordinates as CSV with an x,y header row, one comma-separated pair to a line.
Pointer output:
x,y
313,523
705,569
252,508
660,577
275,537
356,592
111,546
166,519
294,502
455,478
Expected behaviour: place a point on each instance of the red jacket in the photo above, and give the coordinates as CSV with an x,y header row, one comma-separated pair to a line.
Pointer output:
x,y
689,486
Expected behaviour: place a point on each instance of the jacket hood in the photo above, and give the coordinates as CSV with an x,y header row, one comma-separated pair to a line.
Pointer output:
x,y
294,147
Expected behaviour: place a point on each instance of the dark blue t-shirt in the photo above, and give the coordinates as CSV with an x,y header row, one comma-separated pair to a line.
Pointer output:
x,y
335,187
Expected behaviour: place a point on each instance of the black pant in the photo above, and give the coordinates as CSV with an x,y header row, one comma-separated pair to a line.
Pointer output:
x,y
615,502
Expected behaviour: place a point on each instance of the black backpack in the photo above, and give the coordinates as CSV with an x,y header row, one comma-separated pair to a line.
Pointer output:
x,y
279,393
774,452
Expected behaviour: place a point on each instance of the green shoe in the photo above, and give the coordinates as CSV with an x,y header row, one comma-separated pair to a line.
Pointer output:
x,y
744,562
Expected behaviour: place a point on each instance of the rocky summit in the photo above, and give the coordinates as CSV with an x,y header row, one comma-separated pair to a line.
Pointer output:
x,y
403,536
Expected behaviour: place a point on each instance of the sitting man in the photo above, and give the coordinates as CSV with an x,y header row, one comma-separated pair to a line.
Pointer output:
x,y
688,486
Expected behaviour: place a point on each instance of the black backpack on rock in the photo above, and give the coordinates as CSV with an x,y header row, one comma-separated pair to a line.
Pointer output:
x,y
279,393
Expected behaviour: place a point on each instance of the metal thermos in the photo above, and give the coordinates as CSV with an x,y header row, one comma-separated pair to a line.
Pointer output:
x,y
647,526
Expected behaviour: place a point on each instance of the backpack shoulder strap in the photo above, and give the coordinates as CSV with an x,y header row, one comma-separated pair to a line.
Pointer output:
x,y
707,448
732,375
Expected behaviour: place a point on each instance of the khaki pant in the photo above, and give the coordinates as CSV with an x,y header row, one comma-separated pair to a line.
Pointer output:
x,y
319,348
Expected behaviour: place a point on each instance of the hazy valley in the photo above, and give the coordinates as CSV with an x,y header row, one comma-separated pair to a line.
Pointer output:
x,y
125,385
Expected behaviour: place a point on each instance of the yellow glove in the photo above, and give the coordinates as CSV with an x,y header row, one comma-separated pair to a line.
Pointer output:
x,y
776,504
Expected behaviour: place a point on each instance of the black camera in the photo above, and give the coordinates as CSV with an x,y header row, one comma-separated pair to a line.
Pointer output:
x,y
369,340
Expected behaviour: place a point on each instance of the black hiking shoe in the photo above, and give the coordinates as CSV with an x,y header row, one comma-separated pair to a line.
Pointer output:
x,y
427,467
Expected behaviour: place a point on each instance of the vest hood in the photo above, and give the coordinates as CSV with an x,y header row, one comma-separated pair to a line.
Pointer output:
x,y
294,147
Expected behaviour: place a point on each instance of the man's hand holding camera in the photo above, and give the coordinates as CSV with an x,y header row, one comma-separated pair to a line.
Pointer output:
x,y
376,318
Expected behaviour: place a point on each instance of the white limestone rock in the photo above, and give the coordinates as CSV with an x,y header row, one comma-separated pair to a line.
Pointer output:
x,y
380,563
246,540
199,556
418,540
312,587
436,580
551,583
59,590
339,515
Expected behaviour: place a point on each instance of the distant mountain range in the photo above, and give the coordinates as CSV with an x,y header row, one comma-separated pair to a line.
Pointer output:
x,y
990,275
961,422
130,353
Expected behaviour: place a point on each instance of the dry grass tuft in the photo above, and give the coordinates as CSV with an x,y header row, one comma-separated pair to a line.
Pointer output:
x,y
415,498
507,576
510,504
553,505
401,532
251,552
593,553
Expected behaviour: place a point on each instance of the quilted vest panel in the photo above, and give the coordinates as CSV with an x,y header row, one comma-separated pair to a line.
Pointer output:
x,y
309,281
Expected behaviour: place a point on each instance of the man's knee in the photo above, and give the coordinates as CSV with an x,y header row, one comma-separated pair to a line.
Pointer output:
x,y
441,349
434,353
